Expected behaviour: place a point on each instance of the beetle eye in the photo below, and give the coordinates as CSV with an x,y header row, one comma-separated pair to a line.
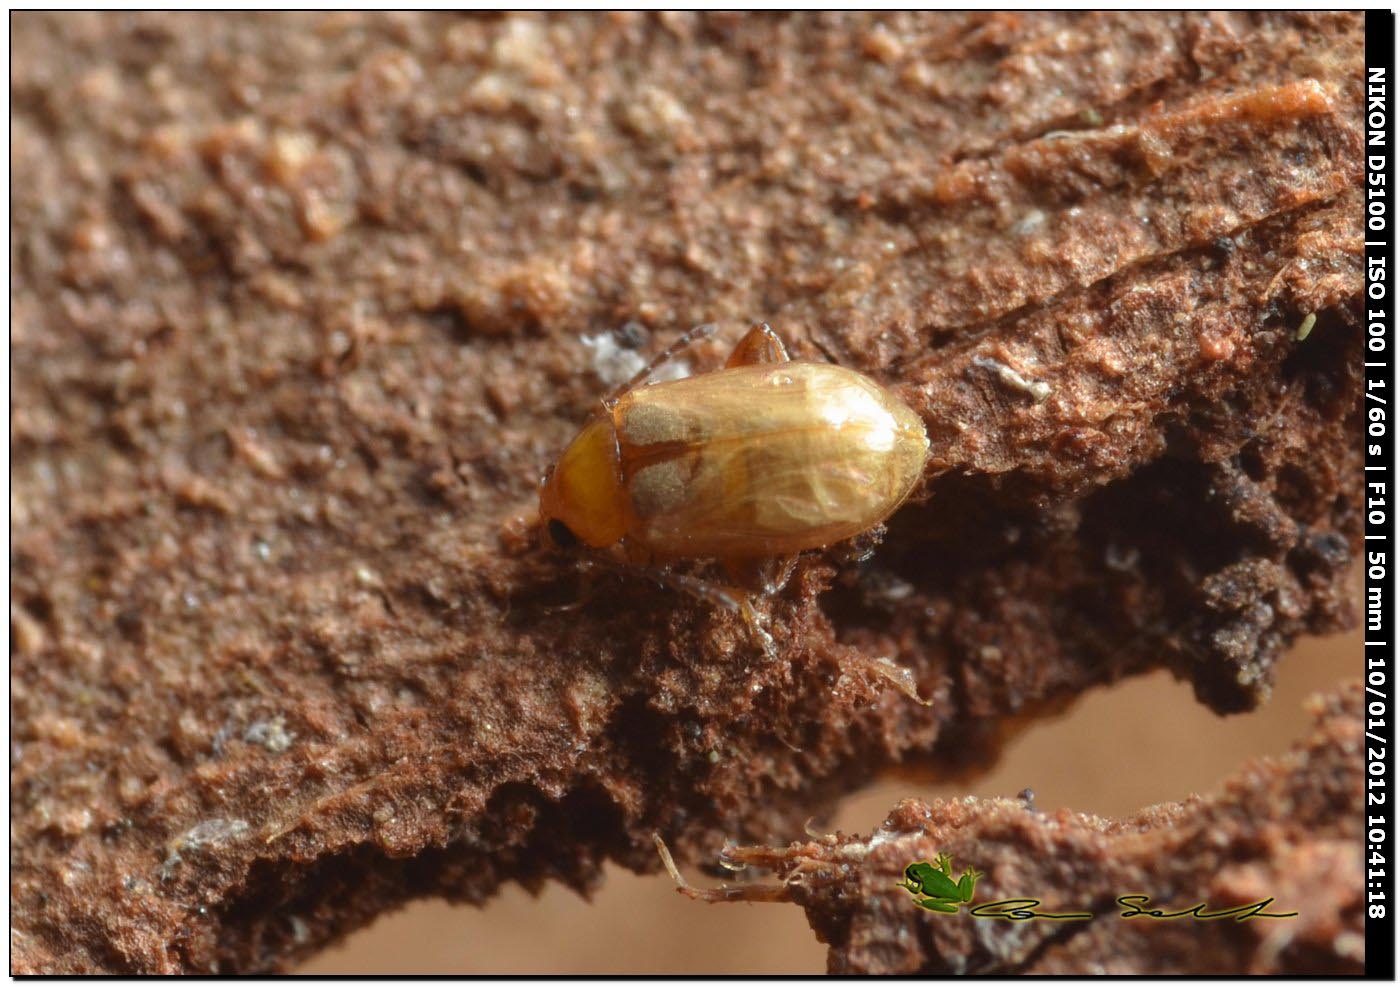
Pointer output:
x,y
560,534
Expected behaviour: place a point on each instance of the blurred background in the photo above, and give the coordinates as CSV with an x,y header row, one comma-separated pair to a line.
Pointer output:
x,y
1082,759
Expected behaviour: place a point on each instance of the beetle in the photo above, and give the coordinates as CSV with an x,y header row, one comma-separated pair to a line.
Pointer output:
x,y
747,465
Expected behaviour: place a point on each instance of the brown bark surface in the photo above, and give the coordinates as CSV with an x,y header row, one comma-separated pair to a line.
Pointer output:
x,y
304,305
1282,834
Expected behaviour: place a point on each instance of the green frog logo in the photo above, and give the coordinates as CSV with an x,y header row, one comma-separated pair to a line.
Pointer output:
x,y
933,886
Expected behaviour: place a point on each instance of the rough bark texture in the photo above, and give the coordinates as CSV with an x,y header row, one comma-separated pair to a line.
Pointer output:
x,y
304,305
1284,830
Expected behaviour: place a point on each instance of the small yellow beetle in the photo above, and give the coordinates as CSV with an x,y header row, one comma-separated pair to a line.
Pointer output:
x,y
747,465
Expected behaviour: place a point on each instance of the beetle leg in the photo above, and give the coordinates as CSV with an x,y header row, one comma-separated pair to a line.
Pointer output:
x,y
688,339
860,547
587,590
762,575
731,598
709,592
756,628
760,345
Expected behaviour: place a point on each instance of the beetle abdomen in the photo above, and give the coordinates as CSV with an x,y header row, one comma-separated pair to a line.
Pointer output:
x,y
764,460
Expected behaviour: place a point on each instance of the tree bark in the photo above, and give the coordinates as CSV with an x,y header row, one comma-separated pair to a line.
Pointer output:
x,y
304,305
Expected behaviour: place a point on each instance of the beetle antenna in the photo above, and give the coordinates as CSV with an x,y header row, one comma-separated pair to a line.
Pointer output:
x,y
688,339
